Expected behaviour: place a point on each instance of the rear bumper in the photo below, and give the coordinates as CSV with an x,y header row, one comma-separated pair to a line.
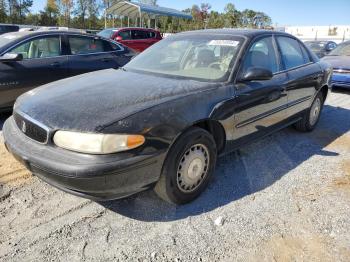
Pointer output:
x,y
97,177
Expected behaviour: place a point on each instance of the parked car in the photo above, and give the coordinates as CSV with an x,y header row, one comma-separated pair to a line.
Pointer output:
x,y
31,59
4,28
138,39
321,48
339,59
162,120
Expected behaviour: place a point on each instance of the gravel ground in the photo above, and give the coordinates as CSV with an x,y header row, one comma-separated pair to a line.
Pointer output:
x,y
284,198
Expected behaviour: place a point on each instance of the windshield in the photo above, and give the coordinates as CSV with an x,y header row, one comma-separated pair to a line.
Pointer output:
x,y
315,46
7,38
206,58
107,33
341,50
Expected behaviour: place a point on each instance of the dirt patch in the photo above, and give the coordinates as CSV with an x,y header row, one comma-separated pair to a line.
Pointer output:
x,y
12,173
342,143
344,181
289,248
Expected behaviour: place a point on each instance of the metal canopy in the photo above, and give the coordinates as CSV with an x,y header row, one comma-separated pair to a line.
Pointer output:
x,y
135,10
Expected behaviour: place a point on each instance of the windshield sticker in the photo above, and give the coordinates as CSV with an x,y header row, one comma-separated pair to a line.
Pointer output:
x,y
224,43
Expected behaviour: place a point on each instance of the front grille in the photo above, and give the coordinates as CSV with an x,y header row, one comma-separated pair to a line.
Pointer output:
x,y
31,129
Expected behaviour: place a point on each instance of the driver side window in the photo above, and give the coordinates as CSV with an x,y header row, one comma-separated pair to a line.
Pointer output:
x,y
39,48
261,54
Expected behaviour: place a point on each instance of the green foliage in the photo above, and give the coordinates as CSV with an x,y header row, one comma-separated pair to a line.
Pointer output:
x,y
89,14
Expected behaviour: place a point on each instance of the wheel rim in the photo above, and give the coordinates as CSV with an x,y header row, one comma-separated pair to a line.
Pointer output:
x,y
193,168
315,111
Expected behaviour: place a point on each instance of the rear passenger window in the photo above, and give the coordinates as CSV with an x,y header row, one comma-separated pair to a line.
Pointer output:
x,y
151,34
139,34
306,55
110,46
85,45
261,54
125,35
291,52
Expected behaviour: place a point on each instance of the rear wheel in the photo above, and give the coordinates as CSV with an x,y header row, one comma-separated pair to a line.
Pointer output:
x,y
188,167
311,116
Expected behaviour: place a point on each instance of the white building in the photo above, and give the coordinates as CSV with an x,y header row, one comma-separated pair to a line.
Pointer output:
x,y
337,33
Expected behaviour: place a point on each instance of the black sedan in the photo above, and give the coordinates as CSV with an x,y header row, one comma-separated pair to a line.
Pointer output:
x,y
31,59
321,48
161,121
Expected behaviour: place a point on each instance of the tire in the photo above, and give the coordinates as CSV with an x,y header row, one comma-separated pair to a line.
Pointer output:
x,y
311,116
188,167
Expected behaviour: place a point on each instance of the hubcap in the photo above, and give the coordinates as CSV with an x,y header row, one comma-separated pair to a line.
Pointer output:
x,y
193,168
315,111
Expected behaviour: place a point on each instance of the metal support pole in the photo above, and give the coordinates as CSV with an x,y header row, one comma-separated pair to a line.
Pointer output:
x,y
128,21
140,19
105,18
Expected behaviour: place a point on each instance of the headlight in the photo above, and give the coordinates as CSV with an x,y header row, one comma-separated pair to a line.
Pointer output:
x,y
96,143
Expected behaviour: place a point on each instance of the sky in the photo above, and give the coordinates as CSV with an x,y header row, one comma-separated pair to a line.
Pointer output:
x,y
282,12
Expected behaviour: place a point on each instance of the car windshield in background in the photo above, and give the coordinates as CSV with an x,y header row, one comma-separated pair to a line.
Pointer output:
x,y
195,57
107,33
7,38
315,46
341,50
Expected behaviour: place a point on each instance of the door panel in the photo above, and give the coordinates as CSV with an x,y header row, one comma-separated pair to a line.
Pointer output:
x,y
304,75
259,105
302,87
42,64
89,54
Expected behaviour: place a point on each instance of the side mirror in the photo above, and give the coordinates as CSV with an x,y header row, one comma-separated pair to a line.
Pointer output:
x,y
257,74
10,57
330,48
119,38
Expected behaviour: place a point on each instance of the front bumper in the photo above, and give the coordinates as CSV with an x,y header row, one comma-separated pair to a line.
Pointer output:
x,y
341,80
97,177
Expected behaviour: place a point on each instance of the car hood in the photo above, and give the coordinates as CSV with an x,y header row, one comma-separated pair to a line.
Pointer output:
x,y
342,62
89,102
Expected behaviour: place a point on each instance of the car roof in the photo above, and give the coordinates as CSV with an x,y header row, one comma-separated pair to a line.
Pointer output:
x,y
128,28
319,41
250,33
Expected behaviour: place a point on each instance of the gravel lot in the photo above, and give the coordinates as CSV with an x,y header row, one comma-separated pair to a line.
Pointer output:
x,y
284,198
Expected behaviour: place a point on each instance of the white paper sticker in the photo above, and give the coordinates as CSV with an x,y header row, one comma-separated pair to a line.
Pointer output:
x,y
224,43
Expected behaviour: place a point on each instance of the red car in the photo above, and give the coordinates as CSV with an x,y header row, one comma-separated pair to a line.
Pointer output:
x,y
136,38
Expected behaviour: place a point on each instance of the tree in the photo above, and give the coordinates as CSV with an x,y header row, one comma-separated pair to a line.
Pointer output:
x,y
205,7
23,8
93,10
81,10
232,16
3,11
65,7
247,18
49,17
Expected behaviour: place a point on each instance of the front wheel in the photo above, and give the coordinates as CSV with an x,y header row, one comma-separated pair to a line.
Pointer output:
x,y
188,167
311,116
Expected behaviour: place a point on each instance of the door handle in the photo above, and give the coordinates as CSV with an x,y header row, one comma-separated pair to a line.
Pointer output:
x,y
55,64
316,77
106,59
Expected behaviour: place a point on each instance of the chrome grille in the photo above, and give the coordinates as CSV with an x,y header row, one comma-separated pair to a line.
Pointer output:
x,y
341,71
31,128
